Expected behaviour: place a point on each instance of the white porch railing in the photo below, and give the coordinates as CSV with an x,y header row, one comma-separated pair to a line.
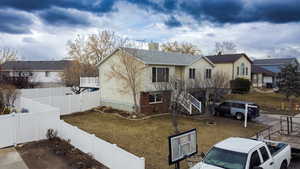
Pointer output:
x,y
188,102
89,82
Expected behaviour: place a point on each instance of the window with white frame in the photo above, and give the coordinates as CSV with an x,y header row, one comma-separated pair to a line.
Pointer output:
x,y
246,71
243,69
192,73
155,98
208,73
160,74
47,74
238,70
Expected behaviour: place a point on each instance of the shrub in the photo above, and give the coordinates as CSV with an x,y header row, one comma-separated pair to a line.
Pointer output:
x,y
240,85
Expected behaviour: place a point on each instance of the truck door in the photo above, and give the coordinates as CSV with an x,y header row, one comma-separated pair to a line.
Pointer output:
x,y
267,160
254,160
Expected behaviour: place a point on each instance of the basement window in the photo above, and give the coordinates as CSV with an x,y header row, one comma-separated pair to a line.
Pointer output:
x,y
155,98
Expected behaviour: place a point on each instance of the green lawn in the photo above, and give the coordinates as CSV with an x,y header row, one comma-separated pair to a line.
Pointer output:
x,y
271,102
148,138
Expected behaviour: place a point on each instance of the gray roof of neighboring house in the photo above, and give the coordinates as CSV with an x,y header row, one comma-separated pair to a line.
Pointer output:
x,y
226,58
162,58
275,61
258,69
35,65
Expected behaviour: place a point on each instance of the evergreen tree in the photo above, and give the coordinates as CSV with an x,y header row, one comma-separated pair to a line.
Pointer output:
x,y
289,81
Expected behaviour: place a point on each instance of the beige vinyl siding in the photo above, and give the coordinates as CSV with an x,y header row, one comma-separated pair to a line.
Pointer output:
x,y
112,89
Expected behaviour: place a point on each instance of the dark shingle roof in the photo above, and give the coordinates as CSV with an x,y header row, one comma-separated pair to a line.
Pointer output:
x,y
226,58
35,65
275,61
258,69
163,58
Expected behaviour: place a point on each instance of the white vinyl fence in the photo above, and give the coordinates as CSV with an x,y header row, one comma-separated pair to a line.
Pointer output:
x,y
26,127
33,126
108,154
67,104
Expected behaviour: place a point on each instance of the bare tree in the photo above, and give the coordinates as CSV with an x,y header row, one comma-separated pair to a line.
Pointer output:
x,y
7,54
95,47
217,87
128,71
179,90
8,96
75,70
225,47
184,47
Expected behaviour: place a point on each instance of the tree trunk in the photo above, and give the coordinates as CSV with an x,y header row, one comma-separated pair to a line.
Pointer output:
x,y
174,117
136,107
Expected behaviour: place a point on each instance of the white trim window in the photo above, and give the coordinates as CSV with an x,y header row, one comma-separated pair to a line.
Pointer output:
x,y
160,74
192,73
47,74
208,73
155,98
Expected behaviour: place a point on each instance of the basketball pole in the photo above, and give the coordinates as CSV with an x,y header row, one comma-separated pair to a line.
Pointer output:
x,y
177,165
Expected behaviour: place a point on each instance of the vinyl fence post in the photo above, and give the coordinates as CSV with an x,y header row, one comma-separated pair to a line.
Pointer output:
x,y
93,145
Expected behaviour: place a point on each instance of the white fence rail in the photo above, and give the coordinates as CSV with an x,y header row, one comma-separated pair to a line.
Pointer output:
x,y
90,82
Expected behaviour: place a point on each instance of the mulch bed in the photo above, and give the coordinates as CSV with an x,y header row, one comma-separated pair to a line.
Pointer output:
x,y
56,154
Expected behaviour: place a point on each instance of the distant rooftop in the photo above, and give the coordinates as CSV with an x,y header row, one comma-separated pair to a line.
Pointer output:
x,y
35,65
274,61
226,58
259,69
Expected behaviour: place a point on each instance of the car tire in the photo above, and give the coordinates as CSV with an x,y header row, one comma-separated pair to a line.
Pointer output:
x,y
283,165
239,116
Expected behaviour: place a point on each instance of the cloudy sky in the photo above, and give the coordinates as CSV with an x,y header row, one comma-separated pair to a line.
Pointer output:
x,y
40,29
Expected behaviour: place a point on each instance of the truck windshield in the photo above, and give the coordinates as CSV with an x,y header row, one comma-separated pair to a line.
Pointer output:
x,y
226,159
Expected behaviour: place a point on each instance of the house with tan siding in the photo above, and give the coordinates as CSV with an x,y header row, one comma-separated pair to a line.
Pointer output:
x,y
159,67
233,65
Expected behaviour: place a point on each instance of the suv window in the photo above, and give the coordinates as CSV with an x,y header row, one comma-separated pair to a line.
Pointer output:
x,y
227,104
264,154
254,160
238,105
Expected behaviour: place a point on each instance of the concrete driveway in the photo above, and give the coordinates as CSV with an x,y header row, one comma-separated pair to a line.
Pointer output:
x,y
10,159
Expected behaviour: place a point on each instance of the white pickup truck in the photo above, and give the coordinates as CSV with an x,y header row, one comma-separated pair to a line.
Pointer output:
x,y
242,153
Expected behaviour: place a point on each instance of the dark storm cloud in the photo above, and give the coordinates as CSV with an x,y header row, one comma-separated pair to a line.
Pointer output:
x,y
215,11
62,17
35,5
14,23
173,22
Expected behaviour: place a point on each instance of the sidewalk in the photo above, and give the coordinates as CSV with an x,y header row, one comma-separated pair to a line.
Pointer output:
x,y
10,159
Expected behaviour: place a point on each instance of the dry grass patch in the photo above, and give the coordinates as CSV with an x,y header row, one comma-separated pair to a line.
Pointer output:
x,y
148,138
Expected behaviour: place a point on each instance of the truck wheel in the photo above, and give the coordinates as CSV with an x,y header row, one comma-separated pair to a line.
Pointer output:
x,y
239,116
283,165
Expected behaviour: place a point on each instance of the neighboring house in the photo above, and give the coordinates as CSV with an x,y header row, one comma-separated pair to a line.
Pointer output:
x,y
232,65
262,77
275,65
159,67
43,73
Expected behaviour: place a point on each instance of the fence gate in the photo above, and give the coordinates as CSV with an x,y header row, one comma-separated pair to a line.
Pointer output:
x,y
8,124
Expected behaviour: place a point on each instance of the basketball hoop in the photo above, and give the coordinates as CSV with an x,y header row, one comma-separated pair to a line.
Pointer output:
x,y
182,146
